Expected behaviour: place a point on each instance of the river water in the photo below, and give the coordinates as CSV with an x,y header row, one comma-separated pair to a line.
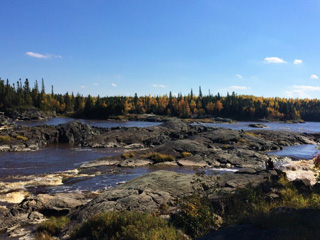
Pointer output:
x,y
54,168
308,127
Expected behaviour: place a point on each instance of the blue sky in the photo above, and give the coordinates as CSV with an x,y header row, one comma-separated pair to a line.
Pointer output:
x,y
121,47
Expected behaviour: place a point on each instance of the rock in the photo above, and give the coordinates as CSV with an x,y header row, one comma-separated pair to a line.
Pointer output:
x,y
4,120
245,232
257,125
175,124
188,163
34,216
33,209
246,171
134,163
100,162
57,204
134,146
177,147
29,114
5,148
220,119
223,136
303,185
145,193
74,132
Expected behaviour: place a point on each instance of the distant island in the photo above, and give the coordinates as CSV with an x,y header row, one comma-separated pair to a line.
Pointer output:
x,y
20,96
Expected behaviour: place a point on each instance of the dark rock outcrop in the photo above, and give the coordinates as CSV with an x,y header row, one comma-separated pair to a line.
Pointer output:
x,y
295,217
29,114
148,192
34,209
257,125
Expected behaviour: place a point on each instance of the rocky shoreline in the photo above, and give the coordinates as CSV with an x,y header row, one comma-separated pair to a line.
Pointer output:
x,y
174,142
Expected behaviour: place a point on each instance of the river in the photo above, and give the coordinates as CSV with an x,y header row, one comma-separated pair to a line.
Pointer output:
x,y
308,127
53,168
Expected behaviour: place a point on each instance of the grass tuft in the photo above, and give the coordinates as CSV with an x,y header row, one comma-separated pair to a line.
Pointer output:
x,y
186,154
5,138
51,227
23,138
158,157
128,155
127,226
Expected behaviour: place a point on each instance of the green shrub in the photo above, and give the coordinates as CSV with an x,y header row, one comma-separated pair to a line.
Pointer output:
x,y
5,138
158,157
127,226
23,138
51,227
196,217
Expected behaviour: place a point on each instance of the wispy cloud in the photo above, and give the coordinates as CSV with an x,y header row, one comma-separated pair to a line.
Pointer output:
x,y
113,84
239,88
42,56
274,60
95,84
301,91
83,87
116,75
239,76
159,86
297,61
313,76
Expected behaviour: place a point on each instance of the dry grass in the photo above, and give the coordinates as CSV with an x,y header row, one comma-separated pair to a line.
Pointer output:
x,y
128,155
251,134
5,138
158,157
23,138
186,154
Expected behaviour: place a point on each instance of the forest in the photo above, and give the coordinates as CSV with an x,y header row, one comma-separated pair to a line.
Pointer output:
x,y
21,95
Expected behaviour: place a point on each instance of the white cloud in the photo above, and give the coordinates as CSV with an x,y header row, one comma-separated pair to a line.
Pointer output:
x,y
239,88
297,61
83,87
95,84
113,84
159,86
42,56
239,76
301,91
274,60
313,76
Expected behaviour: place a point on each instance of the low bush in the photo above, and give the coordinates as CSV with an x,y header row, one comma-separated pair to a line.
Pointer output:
x,y
252,201
196,216
127,226
158,157
51,227
5,138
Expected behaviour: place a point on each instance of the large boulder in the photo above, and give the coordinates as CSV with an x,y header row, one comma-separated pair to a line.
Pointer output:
x,y
145,193
74,132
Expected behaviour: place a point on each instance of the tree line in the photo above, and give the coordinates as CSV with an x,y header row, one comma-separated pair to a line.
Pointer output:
x,y
241,107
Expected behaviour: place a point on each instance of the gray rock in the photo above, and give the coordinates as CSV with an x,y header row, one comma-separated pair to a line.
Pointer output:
x,y
145,193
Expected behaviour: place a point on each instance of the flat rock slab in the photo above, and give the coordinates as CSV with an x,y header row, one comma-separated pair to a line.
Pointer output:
x,y
189,163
